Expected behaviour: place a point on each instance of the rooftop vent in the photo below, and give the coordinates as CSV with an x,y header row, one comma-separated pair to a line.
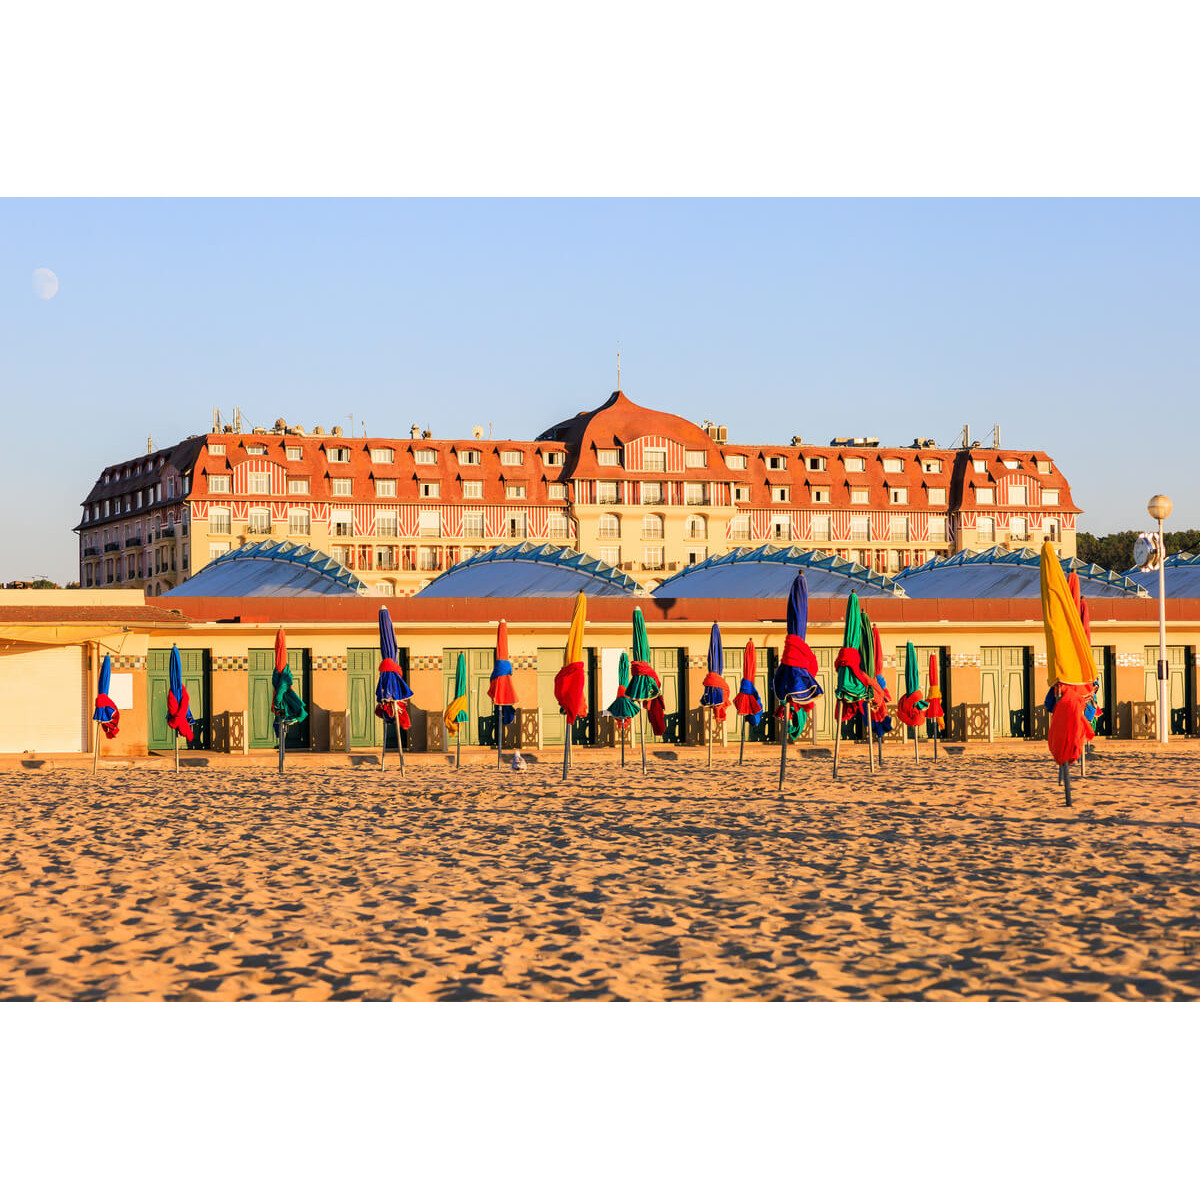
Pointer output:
x,y
280,424
854,441
259,429
924,443
797,440
415,432
298,430
336,431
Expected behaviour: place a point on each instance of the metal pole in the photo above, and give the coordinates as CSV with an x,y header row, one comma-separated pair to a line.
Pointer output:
x,y
742,747
499,734
642,733
621,739
566,751
916,746
457,744
282,736
783,740
95,745
399,743
870,738
1164,713
383,744
177,752
837,733
709,739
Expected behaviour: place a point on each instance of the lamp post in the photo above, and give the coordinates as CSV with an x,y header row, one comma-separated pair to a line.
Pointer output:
x,y
1160,509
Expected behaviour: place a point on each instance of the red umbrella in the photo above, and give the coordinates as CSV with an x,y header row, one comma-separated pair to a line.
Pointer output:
x,y
500,688
747,702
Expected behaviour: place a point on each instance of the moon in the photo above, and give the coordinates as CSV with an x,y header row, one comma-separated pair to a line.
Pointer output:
x,y
45,283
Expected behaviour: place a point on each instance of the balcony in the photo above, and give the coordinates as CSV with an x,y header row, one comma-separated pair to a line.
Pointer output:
x,y
91,551
132,541
110,547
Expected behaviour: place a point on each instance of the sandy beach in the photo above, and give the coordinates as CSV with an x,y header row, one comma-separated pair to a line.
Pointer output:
x,y
964,880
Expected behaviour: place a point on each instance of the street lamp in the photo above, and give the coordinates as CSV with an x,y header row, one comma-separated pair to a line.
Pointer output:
x,y
1160,509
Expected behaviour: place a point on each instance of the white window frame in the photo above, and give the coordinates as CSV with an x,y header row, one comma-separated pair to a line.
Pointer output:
x,y
472,489
610,532
384,454
937,495
298,487
341,487
385,489
512,458
220,484
429,489
695,458
608,458
735,462
298,527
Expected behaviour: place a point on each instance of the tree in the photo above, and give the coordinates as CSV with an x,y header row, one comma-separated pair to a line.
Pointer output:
x,y
1114,551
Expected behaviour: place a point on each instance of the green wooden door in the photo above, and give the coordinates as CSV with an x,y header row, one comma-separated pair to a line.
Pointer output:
x,y
1002,687
826,676
1102,656
362,669
1177,689
477,730
195,679
262,698
668,665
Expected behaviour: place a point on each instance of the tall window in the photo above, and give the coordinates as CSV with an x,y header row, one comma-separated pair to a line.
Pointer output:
x,y
218,483
1018,529
652,492
606,492
610,526
609,555
557,527
781,528
260,521
341,522
899,529
473,524
431,523
472,489
387,524
860,529
697,528
741,493
937,528
218,520
654,461
739,529
820,527
427,558
985,529
693,493
1017,493
258,483
516,521
342,487
652,558
652,526
299,522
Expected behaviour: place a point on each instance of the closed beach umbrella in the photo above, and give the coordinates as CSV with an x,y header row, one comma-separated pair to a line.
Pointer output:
x,y
795,682
456,714
644,684
105,711
912,707
179,709
716,690
747,701
392,692
500,687
1069,667
623,709
881,722
570,684
287,708
935,694
854,689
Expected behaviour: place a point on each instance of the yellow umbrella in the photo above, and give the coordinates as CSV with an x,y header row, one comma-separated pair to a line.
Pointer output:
x,y
570,684
1068,655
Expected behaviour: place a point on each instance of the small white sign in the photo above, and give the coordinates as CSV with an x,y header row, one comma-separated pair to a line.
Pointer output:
x,y
120,689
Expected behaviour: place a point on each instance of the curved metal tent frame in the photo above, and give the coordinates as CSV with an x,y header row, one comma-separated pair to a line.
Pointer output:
x,y
300,569
607,578
1182,583
857,577
997,556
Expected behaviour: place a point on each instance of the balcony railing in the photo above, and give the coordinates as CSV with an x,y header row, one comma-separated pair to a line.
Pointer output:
x,y
109,547
133,541
91,551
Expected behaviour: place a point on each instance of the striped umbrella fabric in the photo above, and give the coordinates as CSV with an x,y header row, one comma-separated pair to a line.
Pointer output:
x,y
391,690
105,711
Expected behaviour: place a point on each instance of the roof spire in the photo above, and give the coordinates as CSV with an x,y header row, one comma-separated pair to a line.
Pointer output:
x,y
618,366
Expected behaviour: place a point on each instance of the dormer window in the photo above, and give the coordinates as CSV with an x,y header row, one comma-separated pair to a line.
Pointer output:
x,y
776,462
932,466
554,458
1012,464
695,458
985,495
339,454
385,487
295,453
820,495
385,454
430,490
426,458
470,458
1050,496
893,466
735,462
780,495
217,449
1043,466
654,461
512,458
815,463
980,467
608,458
856,464
260,450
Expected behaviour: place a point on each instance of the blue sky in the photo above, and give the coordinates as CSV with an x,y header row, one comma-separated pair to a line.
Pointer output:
x,y
1071,323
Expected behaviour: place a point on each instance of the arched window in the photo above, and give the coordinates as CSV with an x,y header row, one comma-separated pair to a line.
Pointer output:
x,y
610,525
697,528
652,527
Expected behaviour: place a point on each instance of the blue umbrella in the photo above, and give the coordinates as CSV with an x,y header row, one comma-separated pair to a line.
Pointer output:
x,y
106,710
716,690
794,680
391,692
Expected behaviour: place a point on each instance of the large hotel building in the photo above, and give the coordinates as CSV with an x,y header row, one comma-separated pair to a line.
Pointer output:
x,y
645,491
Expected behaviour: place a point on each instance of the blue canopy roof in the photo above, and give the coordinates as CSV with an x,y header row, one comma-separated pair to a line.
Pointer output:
x,y
1182,577
272,568
530,569
1004,574
767,572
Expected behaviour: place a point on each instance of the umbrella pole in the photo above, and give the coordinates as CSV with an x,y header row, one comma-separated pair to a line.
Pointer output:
x,y
567,752
935,741
742,747
1066,778
642,733
282,739
783,740
1083,761
499,735
383,747
837,733
95,745
621,739
457,744
709,739
177,752
916,746
399,743
870,742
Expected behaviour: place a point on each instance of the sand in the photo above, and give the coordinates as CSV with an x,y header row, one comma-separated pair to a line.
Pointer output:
x,y
964,880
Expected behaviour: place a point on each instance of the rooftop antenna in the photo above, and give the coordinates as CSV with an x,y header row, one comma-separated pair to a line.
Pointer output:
x,y
618,366
351,416
966,436
237,420
996,437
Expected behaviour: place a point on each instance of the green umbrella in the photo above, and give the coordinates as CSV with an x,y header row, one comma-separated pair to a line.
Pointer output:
x,y
641,687
851,690
912,672
622,708
456,714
